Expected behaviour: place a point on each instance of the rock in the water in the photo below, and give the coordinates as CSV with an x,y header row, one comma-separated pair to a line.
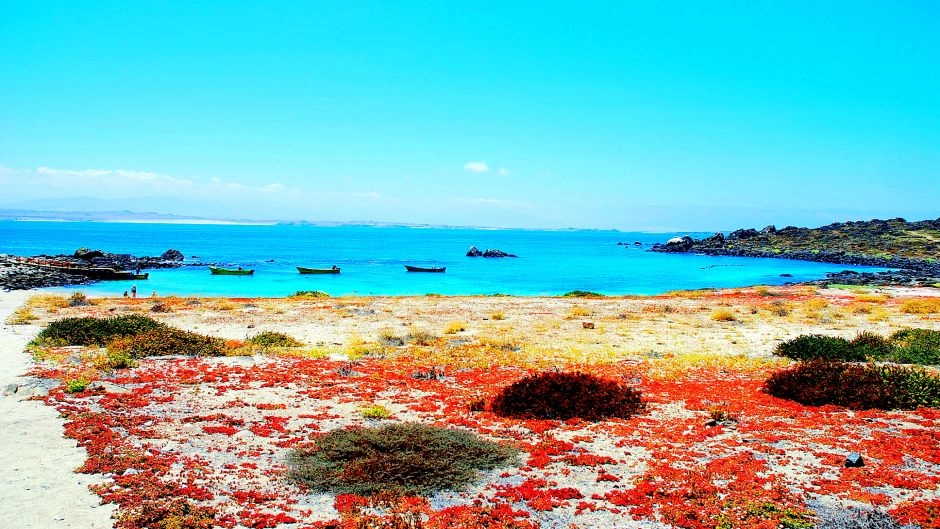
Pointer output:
x,y
496,252
172,255
678,244
474,252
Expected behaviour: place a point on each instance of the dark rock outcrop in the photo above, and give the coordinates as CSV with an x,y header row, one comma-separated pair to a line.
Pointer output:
x,y
490,252
911,247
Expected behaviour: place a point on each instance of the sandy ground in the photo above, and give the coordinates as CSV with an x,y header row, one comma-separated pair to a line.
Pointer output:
x,y
39,488
37,462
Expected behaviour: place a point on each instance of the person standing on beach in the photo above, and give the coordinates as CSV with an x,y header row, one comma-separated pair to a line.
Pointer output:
x,y
134,291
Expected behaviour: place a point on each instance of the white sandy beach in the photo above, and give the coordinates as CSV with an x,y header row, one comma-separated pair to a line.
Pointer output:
x,y
40,489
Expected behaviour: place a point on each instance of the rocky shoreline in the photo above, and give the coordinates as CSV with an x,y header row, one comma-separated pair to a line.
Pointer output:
x,y
911,248
41,271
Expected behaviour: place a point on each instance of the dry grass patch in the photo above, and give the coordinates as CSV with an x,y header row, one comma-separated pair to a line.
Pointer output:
x,y
921,306
723,315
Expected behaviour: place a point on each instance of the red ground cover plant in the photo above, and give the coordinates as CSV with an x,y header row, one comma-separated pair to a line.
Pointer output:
x,y
201,442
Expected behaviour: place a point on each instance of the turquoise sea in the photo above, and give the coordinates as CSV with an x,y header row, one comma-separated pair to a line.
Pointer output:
x,y
373,258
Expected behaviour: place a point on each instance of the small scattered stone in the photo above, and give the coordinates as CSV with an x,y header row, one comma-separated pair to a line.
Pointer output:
x,y
108,387
587,324
10,389
854,460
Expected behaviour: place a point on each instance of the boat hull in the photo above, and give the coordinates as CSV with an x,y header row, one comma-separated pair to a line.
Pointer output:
x,y
304,270
229,272
437,270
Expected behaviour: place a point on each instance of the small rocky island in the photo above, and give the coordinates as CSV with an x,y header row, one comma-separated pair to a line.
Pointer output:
x,y
913,248
490,252
82,267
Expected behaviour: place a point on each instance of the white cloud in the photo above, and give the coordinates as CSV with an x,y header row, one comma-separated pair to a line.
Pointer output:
x,y
503,171
476,167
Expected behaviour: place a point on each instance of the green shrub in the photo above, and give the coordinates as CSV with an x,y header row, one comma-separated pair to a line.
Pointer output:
x,y
374,411
564,396
79,299
273,339
870,345
818,346
76,385
916,346
582,294
120,360
93,331
309,294
821,382
166,341
407,458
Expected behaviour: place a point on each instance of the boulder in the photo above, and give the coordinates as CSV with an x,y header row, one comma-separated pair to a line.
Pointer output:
x,y
679,244
88,255
717,238
496,252
474,252
769,229
743,234
172,255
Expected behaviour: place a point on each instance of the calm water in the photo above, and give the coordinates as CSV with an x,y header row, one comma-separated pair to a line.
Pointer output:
x,y
373,258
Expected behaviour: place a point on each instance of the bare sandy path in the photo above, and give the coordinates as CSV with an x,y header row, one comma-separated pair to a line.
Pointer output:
x,y
40,489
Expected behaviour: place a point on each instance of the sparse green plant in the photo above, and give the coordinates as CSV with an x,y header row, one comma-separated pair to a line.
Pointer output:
x,y
309,294
915,346
497,315
374,411
120,360
420,337
267,339
79,299
404,458
76,385
388,338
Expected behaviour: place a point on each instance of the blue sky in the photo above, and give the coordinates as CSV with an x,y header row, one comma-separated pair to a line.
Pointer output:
x,y
628,115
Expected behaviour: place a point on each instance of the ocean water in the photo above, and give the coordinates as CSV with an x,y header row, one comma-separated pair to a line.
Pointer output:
x,y
373,258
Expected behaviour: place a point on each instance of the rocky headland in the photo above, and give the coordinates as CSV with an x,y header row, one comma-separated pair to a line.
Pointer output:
x,y
912,248
23,273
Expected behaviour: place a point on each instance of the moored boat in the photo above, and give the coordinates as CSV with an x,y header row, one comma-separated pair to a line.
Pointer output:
x,y
219,271
425,269
305,270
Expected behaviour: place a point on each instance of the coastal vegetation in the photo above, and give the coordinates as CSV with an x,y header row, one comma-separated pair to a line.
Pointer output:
x,y
564,396
724,432
912,247
904,346
403,459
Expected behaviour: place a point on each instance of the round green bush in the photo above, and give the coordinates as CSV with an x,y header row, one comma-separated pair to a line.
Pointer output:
x,y
563,396
404,458
93,331
273,339
813,346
